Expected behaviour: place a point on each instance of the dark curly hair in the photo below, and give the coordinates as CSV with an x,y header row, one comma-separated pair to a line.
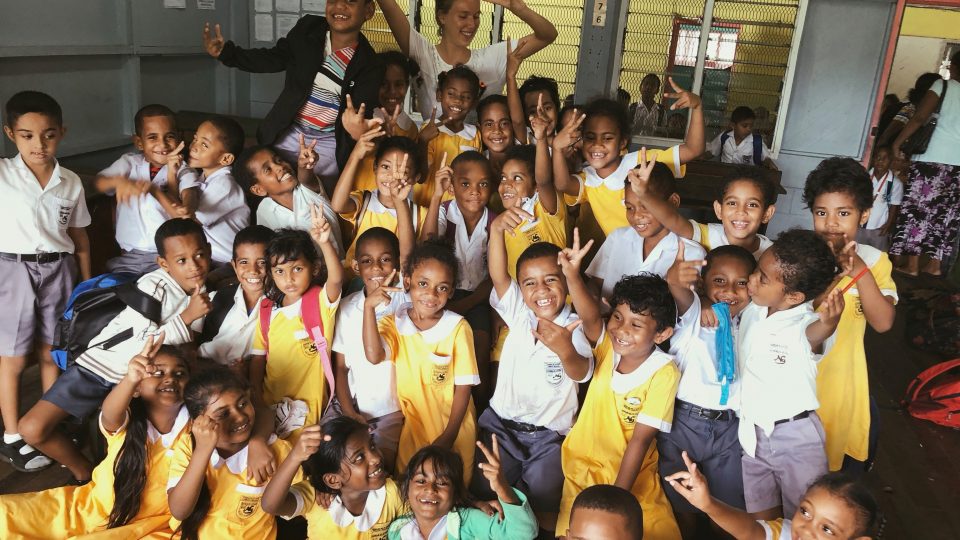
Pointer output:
x,y
473,156
839,175
538,250
331,454
856,496
462,73
432,250
525,153
611,109
807,263
536,83
379,234
647,294
732,251
397,58
489,101
755,176
241,167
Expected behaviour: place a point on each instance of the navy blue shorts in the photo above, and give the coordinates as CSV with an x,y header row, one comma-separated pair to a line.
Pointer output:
x,y
78,391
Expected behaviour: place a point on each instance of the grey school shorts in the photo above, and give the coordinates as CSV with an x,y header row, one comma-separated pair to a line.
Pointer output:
x,y
784,465
33,296
134,262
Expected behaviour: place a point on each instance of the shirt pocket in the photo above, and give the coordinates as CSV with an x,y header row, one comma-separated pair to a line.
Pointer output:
x,y
437,369
248,502
60,211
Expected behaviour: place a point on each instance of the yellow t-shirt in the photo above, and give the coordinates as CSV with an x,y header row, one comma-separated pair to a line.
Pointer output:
x,y
383,505
73,510
453,144
294,368
605,195
377,215
235,511
594,448
842,386
366,179
550,228
429,365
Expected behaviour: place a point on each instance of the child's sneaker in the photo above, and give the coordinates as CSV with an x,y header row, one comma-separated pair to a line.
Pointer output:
x,y
22,456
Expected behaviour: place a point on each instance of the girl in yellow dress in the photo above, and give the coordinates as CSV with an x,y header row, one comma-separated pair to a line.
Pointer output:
x,y
342,463
433,352
210,492
142,418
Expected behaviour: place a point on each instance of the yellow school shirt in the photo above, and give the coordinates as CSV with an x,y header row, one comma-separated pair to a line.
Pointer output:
x,y
73,510
235,512
842,386
366,179
294,368
605,195
383,505
377,215
453,144
429,365
594,448
550,228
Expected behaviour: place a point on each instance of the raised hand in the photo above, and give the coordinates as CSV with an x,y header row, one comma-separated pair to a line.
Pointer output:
x,y
539,122
571,258
639,176
354,120
685,99
848,258
390,120
558,339
380,295
308,156
708,317
831,308
320,229
431,129
510,219
198,306
311,437
691,484
366,143
141,366
400,185
206,431
570,134
493,474
127,189
514,58
212,43
175,159
443,180
683,273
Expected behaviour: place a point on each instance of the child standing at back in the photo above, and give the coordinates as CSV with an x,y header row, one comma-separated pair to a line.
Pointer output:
x,y
458,91
745,203
432,349
139,179
740,144
290,367
631,396
43,246
887,197
838,193
780,431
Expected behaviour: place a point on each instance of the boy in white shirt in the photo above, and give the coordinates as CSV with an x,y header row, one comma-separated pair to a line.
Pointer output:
x,y
138,179
646,245
184,259
887,197
44,241
740,144
544,359
228,328
781,434
287,196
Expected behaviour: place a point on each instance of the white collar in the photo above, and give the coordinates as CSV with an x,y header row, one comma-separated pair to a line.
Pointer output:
x,y
468,132
204,180
237,462
377,207
796,311
405,326
615,180
24,170
167,439
562,318
367,519
411,531
624,382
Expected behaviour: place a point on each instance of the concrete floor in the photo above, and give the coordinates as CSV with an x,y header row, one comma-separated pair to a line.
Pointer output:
x,y
916,477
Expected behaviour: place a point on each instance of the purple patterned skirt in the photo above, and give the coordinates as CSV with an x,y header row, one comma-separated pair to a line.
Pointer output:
x,y
930,214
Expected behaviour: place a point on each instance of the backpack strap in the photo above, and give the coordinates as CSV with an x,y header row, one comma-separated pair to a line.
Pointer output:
x,y
220,306
925,377
141,302
450,234
757,148
310,313
266,307
723,140
364,203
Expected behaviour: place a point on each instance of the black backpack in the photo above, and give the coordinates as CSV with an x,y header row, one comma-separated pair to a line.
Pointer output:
x,y
93,304
220,306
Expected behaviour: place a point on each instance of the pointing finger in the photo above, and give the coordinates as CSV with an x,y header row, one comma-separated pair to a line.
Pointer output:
x,y
147,346
680,250
157,343
573,326
216,28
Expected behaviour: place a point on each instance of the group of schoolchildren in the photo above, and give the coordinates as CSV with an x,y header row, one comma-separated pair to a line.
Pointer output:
x,y
436,350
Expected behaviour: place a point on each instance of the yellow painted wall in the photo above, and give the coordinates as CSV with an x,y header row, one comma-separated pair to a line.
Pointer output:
x,y
931,22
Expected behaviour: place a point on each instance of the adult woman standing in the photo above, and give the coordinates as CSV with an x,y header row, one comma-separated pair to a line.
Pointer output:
x,y
458,21
905,111
930,213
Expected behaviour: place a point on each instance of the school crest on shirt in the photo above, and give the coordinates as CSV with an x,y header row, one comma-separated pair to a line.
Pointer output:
x,y
379,531
534,237
63,215
439,373
309,347
247,506
630,409
778,352
553,371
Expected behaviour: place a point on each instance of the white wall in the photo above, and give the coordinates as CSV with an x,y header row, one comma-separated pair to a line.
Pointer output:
x,y
915,55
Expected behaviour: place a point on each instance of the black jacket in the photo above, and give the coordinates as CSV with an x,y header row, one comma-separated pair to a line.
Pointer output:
x,y
301,54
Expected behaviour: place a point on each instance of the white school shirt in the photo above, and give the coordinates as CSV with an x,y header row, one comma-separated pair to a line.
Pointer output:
x,y
223,211
36,220
235,336
621,254
532,386
777,366
717,237
737,153
274,215
489,63
374,386
139,218
111,363
694,350
470,250
880,211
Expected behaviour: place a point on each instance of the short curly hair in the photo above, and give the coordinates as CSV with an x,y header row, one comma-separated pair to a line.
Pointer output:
x,y
432,250
755,176
807,263
647,294
611,109
839,175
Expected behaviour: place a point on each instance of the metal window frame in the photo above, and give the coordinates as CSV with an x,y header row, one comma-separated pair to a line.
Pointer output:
x,y
708,9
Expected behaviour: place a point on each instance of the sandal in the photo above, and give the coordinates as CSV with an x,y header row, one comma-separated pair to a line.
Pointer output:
x,y
31,461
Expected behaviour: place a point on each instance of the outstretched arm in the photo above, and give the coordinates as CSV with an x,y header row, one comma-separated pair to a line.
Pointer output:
x,y
263,60
277,499
514,105
661,209
544,32
564,181
694,143
829,311
543,172
398,23
587,306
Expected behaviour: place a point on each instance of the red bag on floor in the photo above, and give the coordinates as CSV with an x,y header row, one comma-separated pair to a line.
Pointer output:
x,y
934,394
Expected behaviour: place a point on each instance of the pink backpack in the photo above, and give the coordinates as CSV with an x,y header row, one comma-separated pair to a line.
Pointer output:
x,y
310,313
934,394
